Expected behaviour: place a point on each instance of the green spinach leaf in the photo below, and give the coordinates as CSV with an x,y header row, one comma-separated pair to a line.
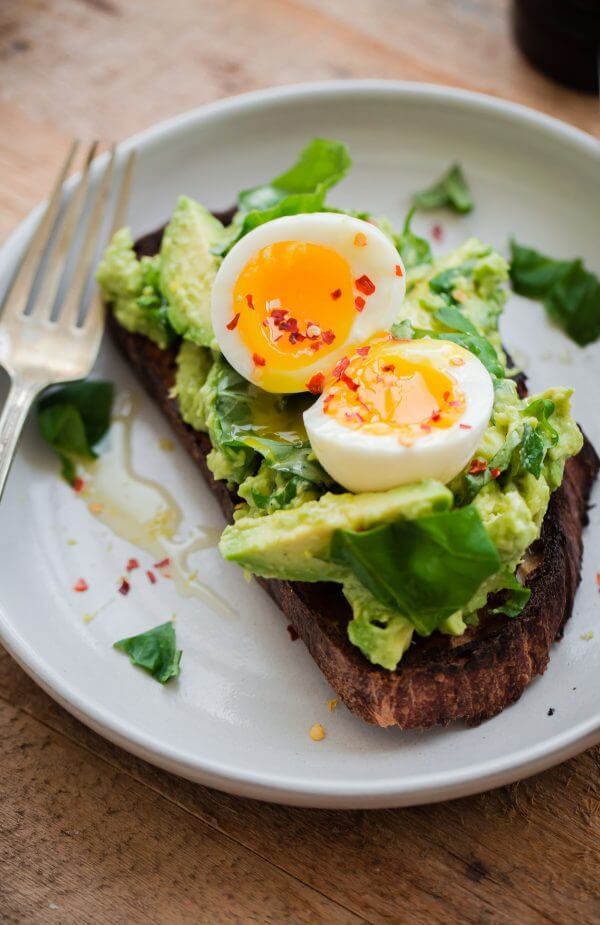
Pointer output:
x,y
451,190
413,249
570,293
155,651
426,568
73,418
516,597
537,439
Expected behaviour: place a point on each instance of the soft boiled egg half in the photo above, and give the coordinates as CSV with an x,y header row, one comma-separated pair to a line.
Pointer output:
x,y
394,412
294,294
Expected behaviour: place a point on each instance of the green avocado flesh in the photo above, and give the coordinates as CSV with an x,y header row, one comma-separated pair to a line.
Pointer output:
x,y
391,551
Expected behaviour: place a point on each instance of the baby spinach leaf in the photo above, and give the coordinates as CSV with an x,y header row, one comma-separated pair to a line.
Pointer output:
x,y
413,249
570,293
537,440
73,418
295,459
472,483
515,599
426,568
155,651
444,282
451,190
322,163
453,319
302,188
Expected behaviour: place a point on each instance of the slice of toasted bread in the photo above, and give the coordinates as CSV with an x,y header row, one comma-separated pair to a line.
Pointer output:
x,y
442,678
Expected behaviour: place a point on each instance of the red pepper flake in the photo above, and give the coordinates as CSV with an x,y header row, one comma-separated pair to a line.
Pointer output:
x,y
336,294
388,368
598,579
316,345
360,239
399,270
315,383
80,585
124,587
494,473
362,351
233,323
359,303
293,632
477,466
465,426
258,360
349,382
426,428
164,563
328,337
151,577
446,396
365,285
340,367
437,232
131,564
250,301
295,338
78,484
290,324
278,314
435,416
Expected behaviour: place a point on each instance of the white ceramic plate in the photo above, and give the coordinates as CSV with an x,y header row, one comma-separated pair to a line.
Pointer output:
x,y
239,716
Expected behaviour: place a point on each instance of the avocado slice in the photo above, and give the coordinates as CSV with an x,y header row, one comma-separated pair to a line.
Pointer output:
x,y
293,544
188,268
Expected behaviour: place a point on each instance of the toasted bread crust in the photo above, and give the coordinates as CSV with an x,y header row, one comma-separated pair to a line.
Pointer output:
x,y
472,677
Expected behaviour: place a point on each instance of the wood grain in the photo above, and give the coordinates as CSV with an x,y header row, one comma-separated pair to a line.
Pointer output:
x,y
92,834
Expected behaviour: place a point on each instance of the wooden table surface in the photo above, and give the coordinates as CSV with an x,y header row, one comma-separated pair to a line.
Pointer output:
x,y
91,834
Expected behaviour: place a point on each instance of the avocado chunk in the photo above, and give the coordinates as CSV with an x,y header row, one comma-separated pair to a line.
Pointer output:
x,y
188,268
293,544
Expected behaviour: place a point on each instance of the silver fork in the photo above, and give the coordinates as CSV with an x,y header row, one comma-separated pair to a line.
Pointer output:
x,y
52,344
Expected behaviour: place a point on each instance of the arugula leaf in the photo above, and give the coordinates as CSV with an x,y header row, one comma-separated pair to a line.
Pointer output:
x,y
426,568
450,190
570,293
516,599
73,419
155,651
322,164
302,188
413,249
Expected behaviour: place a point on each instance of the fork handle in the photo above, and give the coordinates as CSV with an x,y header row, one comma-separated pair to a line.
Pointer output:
x,y
14,414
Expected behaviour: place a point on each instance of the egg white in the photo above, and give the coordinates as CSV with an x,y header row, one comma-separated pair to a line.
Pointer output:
x,y
377,260
361,461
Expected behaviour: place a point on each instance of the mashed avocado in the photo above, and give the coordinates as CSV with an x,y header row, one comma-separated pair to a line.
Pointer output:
x,y
132,288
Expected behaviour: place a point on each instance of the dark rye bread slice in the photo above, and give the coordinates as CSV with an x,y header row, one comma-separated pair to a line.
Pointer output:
x,y
442,678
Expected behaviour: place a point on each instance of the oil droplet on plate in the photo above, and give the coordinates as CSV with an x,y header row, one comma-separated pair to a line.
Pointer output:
x,y
141,511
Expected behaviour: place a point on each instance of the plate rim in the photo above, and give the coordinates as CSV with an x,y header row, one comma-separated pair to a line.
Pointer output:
x,y
306,791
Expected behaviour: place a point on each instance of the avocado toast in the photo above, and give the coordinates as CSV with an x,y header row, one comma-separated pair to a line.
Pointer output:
x,y
388,669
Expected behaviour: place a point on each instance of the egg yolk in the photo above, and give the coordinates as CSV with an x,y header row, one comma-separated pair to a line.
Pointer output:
x,y
293,302
385,391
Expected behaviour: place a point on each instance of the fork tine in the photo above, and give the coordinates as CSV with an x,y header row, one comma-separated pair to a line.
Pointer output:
x,y
124,193
70,309
16,297
93,321
54,271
